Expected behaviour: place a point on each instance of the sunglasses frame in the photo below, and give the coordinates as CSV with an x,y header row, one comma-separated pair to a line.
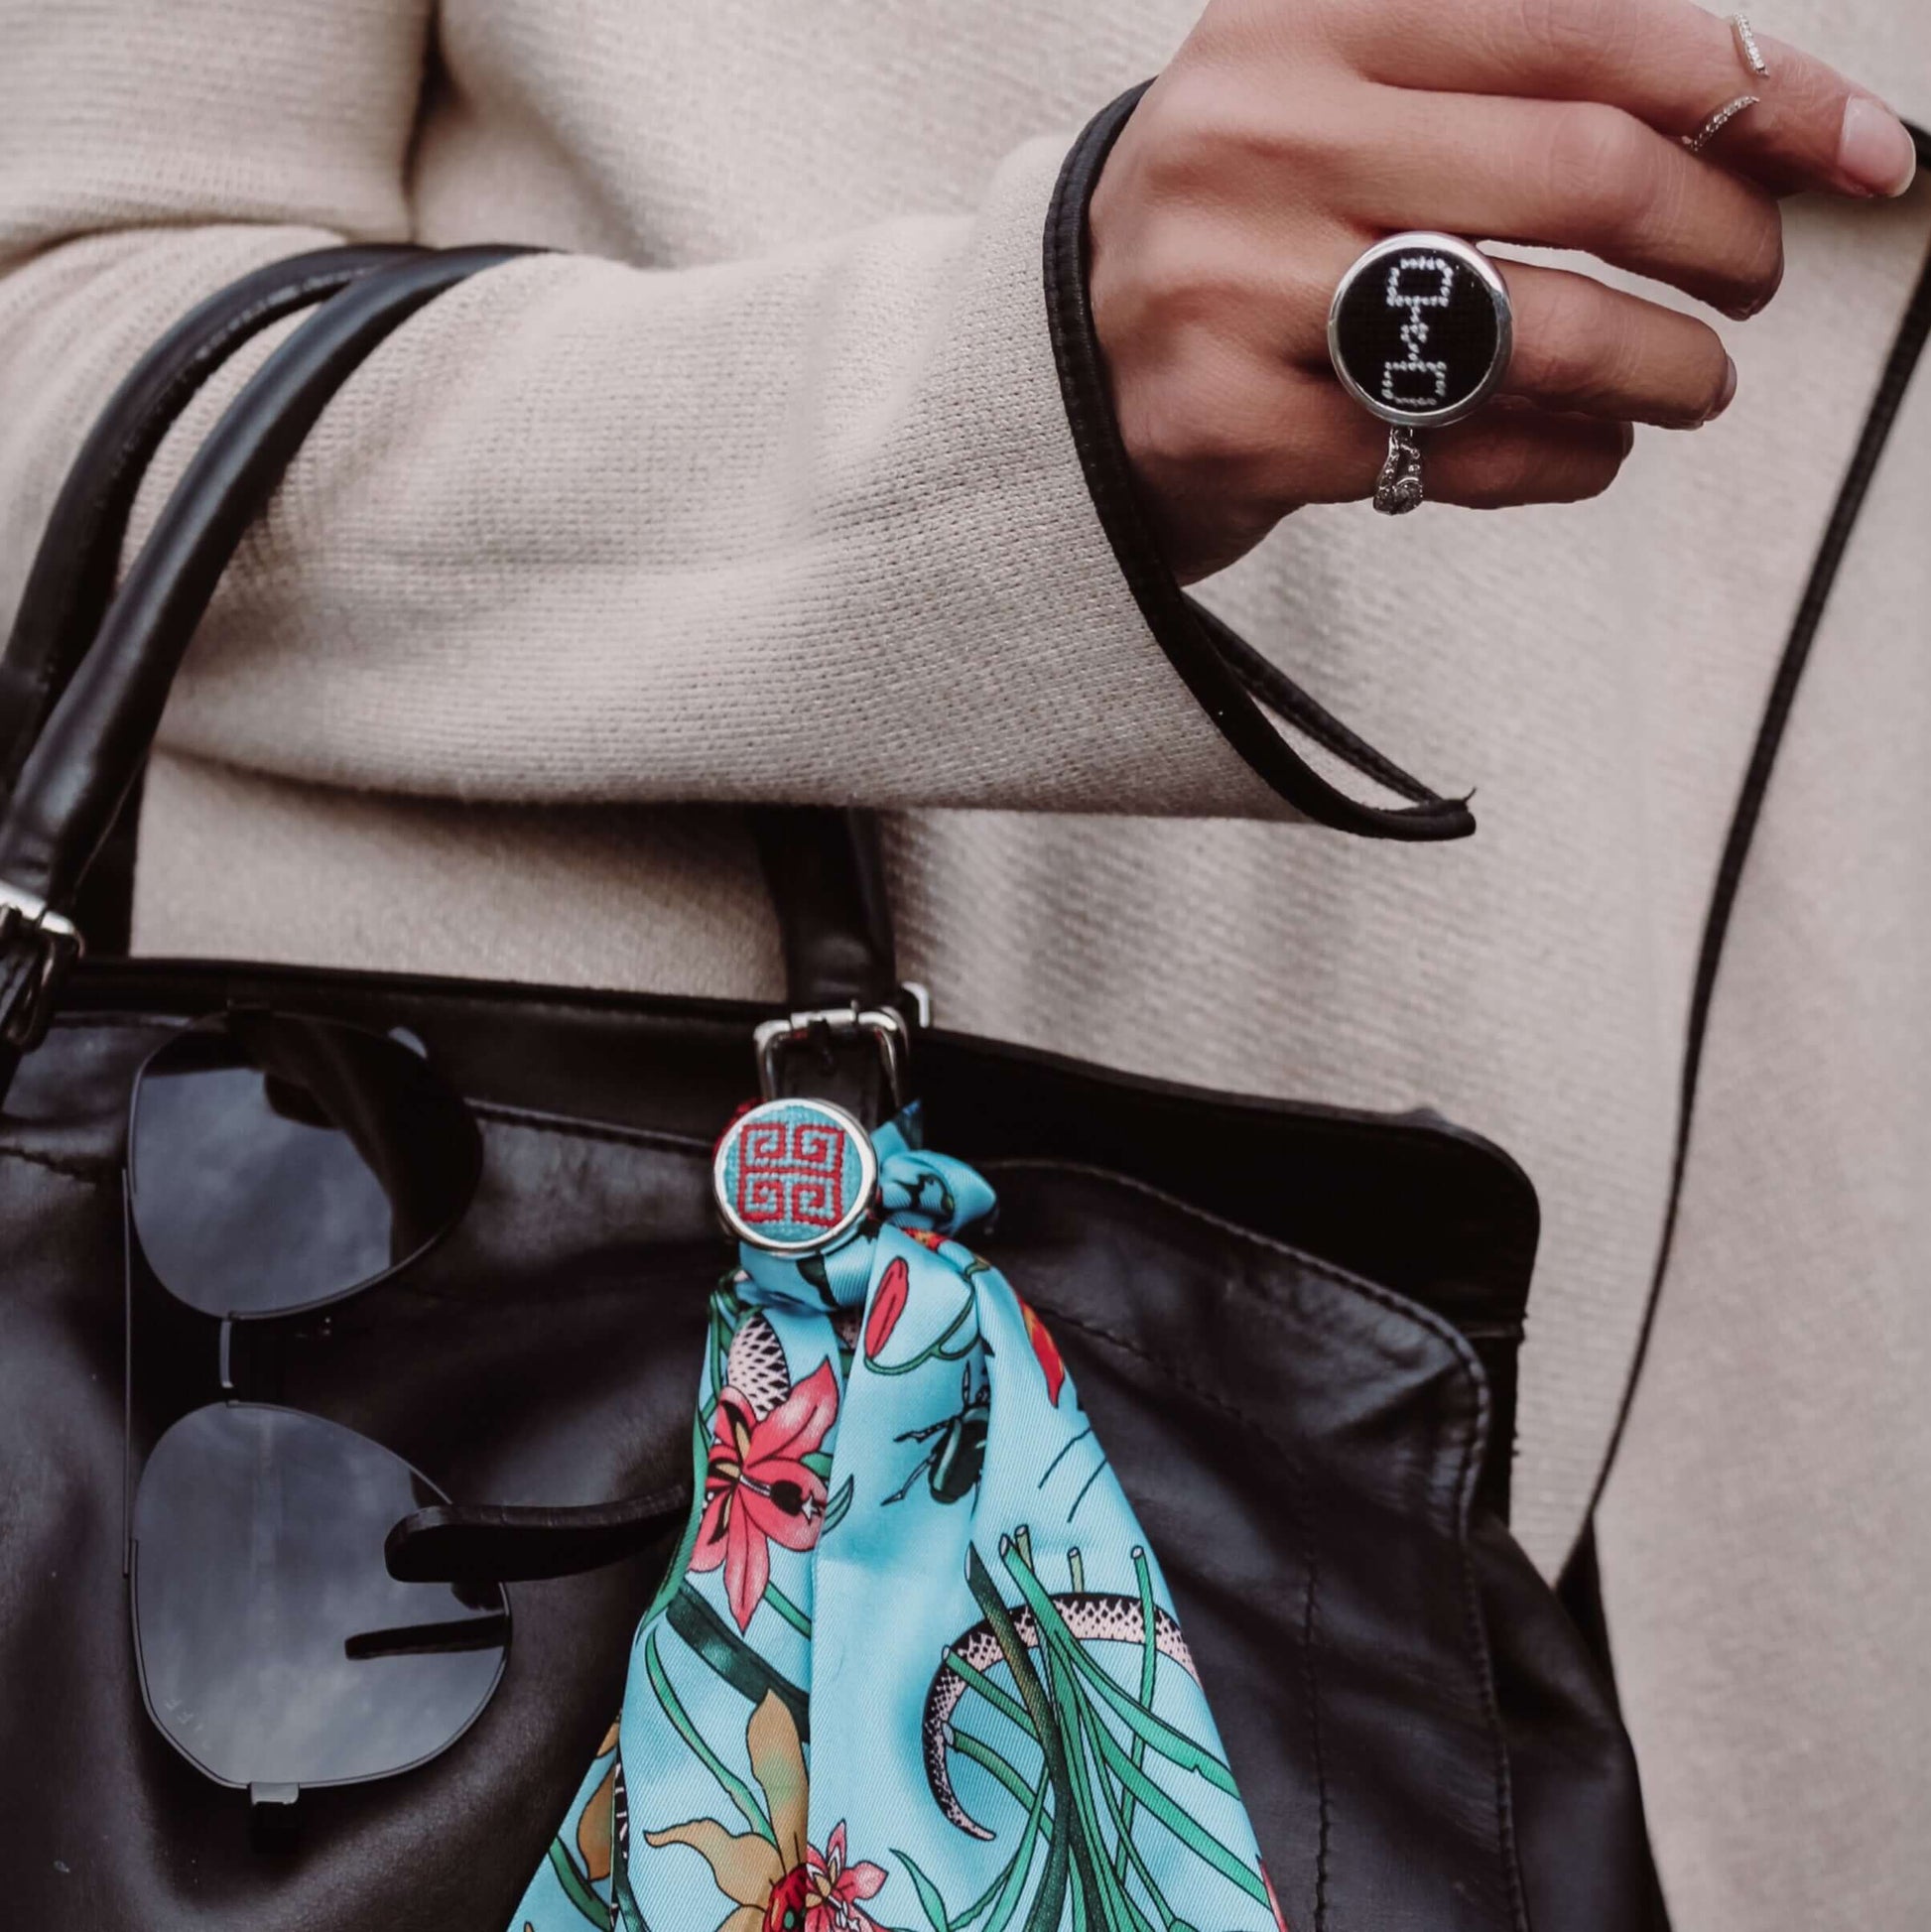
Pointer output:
x,y
271,1804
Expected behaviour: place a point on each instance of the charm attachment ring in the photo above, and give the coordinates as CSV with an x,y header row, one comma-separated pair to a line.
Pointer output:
x,y
1420,334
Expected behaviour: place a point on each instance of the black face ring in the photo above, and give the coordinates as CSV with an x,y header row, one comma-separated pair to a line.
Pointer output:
x,y
1421,330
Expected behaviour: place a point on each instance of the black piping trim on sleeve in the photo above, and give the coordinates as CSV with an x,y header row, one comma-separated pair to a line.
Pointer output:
x,y
1272,687
1230,679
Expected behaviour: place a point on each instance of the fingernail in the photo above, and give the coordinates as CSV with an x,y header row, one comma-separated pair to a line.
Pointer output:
x,y
1730,391
1874,149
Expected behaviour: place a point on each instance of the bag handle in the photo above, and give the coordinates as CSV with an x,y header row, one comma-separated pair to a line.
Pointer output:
x,y
94,742
69,771
825,865
73,578
77,563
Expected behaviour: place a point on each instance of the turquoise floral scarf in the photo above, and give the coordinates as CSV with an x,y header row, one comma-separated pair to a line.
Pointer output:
x,y
914,1665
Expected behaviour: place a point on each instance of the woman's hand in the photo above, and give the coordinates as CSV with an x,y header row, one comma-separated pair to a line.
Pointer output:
x,y
1289,135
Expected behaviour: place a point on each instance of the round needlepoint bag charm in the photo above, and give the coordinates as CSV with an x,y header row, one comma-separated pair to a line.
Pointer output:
x,y
795,1177
1420,334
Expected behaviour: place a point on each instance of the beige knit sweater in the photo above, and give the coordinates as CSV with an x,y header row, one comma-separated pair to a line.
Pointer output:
x,y
762,488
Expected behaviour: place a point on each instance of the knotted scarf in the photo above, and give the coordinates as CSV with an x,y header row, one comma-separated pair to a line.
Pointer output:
x,y
914,1664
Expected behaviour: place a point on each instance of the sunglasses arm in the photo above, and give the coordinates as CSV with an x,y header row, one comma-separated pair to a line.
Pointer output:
x,y
507,1543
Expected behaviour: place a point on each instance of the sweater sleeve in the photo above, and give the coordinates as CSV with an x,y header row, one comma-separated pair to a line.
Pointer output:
x,y
812,526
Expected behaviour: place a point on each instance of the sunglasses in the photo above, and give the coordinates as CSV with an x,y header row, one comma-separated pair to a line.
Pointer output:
x,y
308,1607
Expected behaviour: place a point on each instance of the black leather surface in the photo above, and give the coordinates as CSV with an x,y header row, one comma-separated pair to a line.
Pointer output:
x,y
1415,1723
1415,1202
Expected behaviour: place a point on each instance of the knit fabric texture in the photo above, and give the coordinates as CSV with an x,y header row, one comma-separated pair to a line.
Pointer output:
x,y
759,485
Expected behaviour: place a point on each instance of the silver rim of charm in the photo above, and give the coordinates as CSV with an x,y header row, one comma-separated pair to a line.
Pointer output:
x,y
835,1234
1400,487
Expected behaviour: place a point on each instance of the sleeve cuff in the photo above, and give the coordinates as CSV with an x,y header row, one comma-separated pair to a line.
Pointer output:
x,y
1254,705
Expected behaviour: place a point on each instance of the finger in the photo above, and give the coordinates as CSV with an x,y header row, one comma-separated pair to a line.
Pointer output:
x,y
1515,454
1669,63
1582,347
1512,454
1562,175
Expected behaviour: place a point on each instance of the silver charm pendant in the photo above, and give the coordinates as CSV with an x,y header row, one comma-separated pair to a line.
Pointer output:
x,y
1420,334
1399,488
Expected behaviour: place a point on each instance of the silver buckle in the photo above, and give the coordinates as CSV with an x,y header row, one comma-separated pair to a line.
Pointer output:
x,y
59,944
886,1028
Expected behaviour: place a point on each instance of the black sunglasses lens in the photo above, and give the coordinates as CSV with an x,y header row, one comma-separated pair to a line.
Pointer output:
x,y
278,1162
274,1645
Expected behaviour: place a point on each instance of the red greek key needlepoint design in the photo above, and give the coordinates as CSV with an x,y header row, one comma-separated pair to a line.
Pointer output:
x,y
791,1173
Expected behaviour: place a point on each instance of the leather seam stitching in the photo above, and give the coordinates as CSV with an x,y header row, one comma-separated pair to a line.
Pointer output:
x,y
1309,1636
1386,1299
1477,1418
500,1114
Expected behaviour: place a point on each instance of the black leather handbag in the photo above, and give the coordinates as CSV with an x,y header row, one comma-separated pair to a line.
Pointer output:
x,y
1295,1326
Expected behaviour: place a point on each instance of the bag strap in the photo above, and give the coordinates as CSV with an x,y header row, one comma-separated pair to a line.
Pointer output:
x,y
1232,682
73,571
825,865
1905,355
91,746
77,563
825,868
94,742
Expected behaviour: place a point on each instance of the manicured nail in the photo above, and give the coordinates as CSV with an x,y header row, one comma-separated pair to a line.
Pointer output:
x,y
1874,149
1730,392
